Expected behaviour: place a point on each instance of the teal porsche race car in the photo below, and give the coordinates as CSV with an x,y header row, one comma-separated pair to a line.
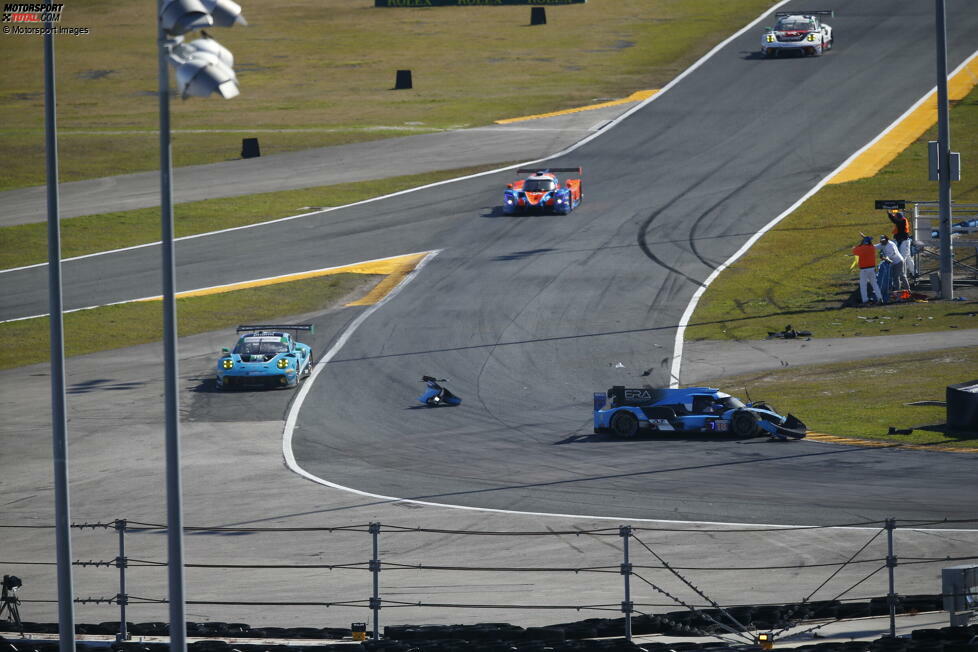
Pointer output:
x,y
265,356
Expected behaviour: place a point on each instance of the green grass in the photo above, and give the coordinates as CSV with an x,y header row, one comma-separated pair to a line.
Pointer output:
x,y
798,273
112,327
329,66
26,244
864,398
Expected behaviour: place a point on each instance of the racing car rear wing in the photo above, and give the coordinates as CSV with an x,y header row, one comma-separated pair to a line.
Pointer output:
x,y
276,327
535,170
805,12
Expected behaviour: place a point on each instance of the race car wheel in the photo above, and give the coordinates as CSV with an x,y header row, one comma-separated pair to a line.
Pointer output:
x,y
743,424
624,424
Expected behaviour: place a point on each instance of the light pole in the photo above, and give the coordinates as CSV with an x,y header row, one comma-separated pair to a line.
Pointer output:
x,y
59,413
943,156
202,74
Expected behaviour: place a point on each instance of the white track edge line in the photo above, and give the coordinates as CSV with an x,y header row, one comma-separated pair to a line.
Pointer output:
x,y
677,353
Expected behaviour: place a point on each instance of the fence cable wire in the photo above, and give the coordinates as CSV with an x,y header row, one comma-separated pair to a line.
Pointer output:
x,y
788,624
143,526
690,585
813,628
137,563
840,569
680,602
694,630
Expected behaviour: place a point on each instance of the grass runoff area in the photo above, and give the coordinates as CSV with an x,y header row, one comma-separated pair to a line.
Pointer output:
x,y
26,244
798,274
321,72
865,398
111,327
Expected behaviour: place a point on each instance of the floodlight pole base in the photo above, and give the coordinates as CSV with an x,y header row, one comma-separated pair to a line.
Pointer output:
x,y
961,618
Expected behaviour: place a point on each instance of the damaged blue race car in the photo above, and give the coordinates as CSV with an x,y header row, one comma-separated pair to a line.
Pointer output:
x,y
625,412
265,356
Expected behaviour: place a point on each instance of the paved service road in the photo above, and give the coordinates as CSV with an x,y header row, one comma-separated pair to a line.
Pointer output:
x,y
529,315
379,159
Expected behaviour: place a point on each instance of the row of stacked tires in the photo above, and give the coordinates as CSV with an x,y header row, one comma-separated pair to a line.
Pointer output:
x,y
702,622
479,638
607,645
195,630
945,639
675,623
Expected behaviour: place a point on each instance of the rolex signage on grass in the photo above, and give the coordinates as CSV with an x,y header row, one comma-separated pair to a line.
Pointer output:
x,y
474,3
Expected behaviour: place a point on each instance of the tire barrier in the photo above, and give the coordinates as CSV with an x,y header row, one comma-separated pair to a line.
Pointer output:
x,y
702,622
945,639
478,632
196,630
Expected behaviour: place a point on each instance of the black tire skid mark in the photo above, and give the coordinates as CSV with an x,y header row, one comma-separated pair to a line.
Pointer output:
x,y
725,198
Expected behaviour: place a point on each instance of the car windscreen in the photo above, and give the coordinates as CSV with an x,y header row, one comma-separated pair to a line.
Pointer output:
x,y
731,403
792,24
260,347
538,185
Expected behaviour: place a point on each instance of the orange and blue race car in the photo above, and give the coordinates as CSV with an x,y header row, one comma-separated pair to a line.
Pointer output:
x,y
543,192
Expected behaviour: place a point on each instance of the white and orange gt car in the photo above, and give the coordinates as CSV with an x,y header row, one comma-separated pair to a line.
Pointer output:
x,y
798,31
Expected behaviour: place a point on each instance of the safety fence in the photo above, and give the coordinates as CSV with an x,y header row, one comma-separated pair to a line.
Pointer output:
x,y
925,221
630,565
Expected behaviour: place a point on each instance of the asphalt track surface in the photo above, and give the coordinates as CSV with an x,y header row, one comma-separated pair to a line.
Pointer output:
x,y
527,316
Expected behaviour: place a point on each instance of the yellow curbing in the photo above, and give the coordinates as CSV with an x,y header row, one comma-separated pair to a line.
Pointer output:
x,y
912,127
395,268
400,267
637,96
870,443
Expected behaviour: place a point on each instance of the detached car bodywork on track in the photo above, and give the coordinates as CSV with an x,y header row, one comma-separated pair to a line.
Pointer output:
x,y
625,412
265,356
543,192
798,31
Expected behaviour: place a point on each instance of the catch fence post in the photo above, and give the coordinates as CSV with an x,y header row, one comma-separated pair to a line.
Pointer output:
x,y
891,563
375,571
914,249
625,532
122,597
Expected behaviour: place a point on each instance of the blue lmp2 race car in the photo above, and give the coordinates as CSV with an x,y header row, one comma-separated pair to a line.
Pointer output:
x,y
265,356
625,411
